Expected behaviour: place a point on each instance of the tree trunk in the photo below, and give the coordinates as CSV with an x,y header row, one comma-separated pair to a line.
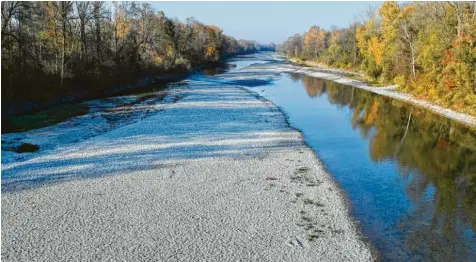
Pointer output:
x,y
97,19
412,48
19,42
63,47
404,135
83,41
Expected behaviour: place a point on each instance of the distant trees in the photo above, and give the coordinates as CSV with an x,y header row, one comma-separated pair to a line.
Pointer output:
x,y
268,47
51,47
429,49
293,47
315,42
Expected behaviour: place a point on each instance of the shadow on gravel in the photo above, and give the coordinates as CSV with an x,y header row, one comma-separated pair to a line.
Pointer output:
x,y
210,122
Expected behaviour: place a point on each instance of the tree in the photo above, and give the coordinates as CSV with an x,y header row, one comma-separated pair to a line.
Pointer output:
x,y
410,34
64,12
85,15
315,41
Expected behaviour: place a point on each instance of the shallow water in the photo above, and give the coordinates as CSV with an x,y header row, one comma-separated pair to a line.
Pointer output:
x,y
69,124
409,174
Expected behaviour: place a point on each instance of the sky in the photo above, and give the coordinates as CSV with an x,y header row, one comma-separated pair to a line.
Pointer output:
x,y
266,22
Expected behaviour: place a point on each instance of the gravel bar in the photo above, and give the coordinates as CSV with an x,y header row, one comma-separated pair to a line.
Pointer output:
x,y
219,175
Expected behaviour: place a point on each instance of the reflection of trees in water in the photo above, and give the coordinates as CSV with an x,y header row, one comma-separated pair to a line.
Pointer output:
x,y
432,153
295,77
314,86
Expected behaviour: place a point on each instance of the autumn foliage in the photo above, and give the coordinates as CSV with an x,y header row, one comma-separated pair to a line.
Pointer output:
x,y
57,49
428,49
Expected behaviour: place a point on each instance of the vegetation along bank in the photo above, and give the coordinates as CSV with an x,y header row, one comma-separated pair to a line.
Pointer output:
x,y
427,48
56,52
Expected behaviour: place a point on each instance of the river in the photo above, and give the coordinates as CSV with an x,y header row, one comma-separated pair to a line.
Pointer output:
x,y
409,174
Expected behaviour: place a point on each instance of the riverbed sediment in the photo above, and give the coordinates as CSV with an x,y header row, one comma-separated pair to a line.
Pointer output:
x,y
217,176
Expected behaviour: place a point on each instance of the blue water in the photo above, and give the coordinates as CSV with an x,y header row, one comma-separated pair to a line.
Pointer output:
x,y
413,189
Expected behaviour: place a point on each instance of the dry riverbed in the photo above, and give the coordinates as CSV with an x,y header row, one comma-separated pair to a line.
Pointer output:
x,y
216,176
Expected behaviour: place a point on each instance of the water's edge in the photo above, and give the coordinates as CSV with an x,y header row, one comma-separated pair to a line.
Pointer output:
x,y
341,192
388,91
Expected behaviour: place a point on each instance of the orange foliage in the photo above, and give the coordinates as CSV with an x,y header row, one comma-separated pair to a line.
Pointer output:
x,y
123,26
211,51
315,37
372,115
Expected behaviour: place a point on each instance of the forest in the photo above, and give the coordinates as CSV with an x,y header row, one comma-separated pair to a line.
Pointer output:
x,y
426,48
54,51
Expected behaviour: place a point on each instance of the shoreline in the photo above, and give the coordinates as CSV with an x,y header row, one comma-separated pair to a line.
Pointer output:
x,y
140,83
337,75
343,195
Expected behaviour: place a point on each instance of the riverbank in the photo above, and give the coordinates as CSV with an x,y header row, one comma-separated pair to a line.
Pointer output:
x,y
348,78
113,83
218,175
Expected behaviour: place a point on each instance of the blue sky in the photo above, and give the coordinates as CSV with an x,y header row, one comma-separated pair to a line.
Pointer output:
x,y
266,21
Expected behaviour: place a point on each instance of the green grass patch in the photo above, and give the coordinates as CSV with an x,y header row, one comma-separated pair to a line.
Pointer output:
x,y
42,118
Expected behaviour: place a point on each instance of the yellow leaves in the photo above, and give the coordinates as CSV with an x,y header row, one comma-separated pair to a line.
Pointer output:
x,y
311,35
372,115
159,59
363,34
315,41
213,40
170,50
122,24
370,24
390,11
360,35
315,36
213,32
407,10
211,51
51,10
213,28
376,48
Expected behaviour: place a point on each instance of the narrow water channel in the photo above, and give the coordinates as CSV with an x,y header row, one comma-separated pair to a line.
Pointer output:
x,y
410,175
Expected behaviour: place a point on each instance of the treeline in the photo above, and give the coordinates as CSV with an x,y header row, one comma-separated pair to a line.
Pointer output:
x,y
52,49
427,48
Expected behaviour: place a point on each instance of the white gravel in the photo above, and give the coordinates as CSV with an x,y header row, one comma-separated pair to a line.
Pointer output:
x,y
217,176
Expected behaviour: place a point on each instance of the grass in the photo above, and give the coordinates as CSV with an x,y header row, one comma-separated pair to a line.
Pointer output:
x,y
43,118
